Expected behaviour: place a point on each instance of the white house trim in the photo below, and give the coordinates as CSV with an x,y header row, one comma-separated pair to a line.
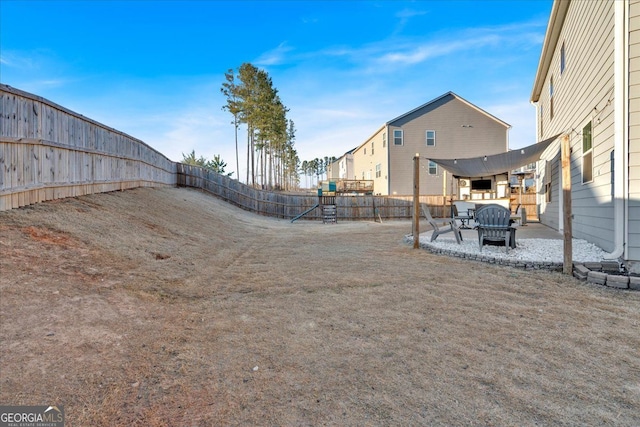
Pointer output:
x,y
621,128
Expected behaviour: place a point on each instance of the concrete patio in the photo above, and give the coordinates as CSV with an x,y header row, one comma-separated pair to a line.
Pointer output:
x,y
531,230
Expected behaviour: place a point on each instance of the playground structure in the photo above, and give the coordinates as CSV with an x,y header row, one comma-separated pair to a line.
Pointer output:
x,y
329,190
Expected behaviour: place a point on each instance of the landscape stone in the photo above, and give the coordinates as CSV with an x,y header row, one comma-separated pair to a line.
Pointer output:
x,y
614,281
610,266
597,277
593,266
580,271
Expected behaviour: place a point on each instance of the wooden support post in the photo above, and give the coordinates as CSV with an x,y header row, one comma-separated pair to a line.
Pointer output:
x,y
444,183
416,201
566,205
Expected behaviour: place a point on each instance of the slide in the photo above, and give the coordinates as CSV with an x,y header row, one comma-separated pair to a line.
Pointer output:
x,y
305,212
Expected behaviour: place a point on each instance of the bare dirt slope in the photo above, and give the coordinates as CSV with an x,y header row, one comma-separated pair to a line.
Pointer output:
x,y
169,307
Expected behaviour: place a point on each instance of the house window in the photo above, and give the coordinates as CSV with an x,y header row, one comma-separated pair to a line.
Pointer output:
x,y
372,148
365,151
431,138
384,139
397,137
433,168
551,98
378,170
547,190
369,174
587,154
547,181
562,58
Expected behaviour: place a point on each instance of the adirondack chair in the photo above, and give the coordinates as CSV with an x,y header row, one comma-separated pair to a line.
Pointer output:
x,y
494,225
451,226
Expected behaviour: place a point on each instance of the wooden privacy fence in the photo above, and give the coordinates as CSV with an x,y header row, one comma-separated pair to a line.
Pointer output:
x,y
49,152
529,202
284,205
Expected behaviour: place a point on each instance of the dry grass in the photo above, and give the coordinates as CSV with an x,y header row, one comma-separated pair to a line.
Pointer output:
x,y
153,307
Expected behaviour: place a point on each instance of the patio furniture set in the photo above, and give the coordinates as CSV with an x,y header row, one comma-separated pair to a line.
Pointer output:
x,y
494,223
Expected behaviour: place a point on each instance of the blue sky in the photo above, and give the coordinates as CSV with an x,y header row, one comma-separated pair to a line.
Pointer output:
x,y
153,69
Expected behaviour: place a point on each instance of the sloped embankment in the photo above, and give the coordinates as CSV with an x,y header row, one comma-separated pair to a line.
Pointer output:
x,y
169,307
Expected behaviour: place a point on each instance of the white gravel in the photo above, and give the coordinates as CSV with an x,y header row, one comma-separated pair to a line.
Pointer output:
x,y
537,250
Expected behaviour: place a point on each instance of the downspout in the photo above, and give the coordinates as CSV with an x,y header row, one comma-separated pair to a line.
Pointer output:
x,y
620,118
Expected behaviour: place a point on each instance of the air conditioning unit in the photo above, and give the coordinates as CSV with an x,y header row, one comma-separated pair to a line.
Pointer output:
x,y
463,183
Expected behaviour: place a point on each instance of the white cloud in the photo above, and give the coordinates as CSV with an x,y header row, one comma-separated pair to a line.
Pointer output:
x,y
274,57
409,13
416,54
14,59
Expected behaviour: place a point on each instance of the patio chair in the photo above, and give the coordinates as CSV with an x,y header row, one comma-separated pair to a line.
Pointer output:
x,y
450,226
464,218
494,225
521,211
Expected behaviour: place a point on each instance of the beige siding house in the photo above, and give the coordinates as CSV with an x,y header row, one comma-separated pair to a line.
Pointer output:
x,y
333,171
446,127
370,161
587,86
344,166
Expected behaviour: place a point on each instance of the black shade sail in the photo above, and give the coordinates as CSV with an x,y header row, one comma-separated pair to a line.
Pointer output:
x,y
495,164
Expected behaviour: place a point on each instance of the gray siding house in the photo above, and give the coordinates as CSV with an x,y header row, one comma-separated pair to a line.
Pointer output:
x,y
446,127
587,87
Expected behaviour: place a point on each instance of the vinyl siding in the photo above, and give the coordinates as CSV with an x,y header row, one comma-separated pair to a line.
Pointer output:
x,y
446,116
550,209
365,161
633,247
583,93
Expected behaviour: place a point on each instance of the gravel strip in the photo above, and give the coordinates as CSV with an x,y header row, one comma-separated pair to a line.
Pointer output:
x,y
527,250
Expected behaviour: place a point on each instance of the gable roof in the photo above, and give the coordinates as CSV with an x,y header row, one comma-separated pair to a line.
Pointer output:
x,y
556,20
433,101
450,94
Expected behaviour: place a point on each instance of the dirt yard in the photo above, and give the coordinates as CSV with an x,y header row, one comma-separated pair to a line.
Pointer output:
x,y
168,307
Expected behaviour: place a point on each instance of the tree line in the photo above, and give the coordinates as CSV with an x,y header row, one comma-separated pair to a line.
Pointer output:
x,y
216,164
272,160
252,100
316,167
